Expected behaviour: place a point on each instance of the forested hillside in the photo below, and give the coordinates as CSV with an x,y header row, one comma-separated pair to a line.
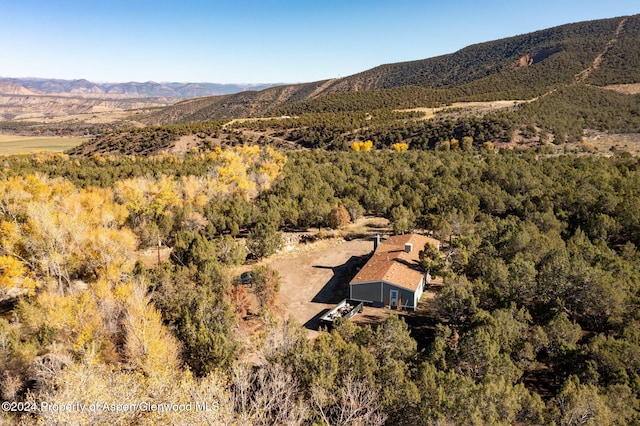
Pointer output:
x,y
520,67
530,62
335,122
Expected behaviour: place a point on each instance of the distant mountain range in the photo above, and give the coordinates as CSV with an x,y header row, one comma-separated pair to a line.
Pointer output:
x,y
146,89
42,98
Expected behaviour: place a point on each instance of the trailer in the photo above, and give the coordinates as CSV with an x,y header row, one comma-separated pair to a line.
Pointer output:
x,y
346,309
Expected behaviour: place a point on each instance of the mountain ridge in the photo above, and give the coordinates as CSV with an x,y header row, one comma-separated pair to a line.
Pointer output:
x,y
519,67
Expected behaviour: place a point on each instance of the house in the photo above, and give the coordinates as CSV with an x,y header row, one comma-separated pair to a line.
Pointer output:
x,y
392,276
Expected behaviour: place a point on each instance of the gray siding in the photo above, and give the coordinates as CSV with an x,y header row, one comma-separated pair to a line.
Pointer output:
x,y
379,293
369,292
406,296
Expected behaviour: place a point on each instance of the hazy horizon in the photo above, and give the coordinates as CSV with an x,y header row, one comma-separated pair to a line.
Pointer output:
x,y
31,77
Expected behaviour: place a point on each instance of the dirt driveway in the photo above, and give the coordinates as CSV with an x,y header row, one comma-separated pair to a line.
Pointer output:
x,y
316,276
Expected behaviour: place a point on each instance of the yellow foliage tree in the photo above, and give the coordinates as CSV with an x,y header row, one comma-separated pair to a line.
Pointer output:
x,y
269,167
52,240
400,146
75,318
362,146
163,194
100,208
132,194
245,170
488,146
14,278
149,346
110,252
194,191
56,230
10,236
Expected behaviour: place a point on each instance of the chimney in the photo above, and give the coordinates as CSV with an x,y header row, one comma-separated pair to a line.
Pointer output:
x,y
408,247
376,242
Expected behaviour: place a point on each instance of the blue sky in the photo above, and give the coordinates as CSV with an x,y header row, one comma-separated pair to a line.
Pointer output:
x,y
242,41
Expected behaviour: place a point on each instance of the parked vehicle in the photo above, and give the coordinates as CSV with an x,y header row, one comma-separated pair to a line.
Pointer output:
x,y
346,309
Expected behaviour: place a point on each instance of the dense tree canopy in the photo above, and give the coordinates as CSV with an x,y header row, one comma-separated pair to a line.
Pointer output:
x,y
537,314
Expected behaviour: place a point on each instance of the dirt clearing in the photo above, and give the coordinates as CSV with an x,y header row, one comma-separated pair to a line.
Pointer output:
x,y
315,277
471,106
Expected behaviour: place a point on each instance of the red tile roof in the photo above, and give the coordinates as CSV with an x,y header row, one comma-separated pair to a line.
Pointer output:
x,y
391,263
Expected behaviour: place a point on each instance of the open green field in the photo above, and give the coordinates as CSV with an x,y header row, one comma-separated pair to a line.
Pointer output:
x,y
10,144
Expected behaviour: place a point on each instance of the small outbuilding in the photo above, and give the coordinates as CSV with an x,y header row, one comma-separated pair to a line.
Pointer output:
x,y
393,276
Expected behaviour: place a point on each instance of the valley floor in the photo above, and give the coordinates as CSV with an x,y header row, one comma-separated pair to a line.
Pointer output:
x,y
11,144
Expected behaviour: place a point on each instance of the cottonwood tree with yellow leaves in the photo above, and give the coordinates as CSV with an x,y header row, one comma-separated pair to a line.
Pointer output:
x,y
363,146
155,203
62,234
67,250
